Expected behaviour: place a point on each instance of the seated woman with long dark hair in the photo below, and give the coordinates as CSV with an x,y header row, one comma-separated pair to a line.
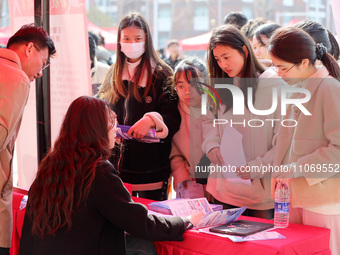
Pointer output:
x,y
77,204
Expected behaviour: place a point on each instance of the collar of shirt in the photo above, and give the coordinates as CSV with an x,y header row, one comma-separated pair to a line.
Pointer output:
x,y
129,71
11,56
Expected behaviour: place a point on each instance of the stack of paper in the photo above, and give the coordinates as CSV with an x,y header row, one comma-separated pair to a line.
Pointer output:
x,y
185,207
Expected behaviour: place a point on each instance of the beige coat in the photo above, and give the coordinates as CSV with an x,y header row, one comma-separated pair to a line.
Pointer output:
x,y
14,90
186,145
257,146
315,140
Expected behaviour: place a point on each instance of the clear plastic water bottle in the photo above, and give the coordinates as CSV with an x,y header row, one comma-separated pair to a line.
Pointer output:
x,y
281,216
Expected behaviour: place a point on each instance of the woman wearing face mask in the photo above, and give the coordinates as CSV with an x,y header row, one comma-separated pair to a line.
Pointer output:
x,y
313,145
137,94
230,56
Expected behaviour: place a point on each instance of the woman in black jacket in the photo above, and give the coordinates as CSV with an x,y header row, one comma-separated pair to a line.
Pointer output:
x,y
137,92
77,204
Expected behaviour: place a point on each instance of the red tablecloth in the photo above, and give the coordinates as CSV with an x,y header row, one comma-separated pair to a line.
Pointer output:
x,y
300,239
18,220
304,240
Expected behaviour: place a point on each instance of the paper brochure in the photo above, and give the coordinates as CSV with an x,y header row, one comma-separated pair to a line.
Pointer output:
x,y
190,190
185,207
150,137
233,154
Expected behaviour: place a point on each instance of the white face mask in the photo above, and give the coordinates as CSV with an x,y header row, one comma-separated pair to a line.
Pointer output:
x,y
133,50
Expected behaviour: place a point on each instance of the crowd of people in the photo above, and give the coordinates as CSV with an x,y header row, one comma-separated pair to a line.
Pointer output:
x,y
78,193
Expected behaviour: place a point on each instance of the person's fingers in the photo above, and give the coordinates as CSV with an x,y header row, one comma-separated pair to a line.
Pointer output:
x,y
195,217
131,132
220,159
245,177
185,184
213,156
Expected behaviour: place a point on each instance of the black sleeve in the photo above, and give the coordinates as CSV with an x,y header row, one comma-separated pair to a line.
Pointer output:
x,y
202,178
114,203
168,108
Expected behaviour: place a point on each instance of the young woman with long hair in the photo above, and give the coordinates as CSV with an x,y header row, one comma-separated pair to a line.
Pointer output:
x,y
186,151
230,56
137,93
77,204
260,42
315,141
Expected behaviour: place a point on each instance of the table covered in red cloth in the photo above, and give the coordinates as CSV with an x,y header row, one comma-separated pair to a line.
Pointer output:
x,y
18,220
300,239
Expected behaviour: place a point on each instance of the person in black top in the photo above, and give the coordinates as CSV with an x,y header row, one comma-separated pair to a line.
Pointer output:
x,y
77,204
237,19
175,56
138,92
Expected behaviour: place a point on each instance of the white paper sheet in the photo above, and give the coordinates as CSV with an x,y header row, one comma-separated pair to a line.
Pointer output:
x,y
192,190
220,217
185,207
150,212
232,152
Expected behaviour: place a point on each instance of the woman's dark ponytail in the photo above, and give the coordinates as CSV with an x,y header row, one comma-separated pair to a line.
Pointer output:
x,y
292,45
327,60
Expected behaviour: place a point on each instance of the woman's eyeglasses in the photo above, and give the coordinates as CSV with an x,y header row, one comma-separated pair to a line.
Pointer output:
x,y
280,72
